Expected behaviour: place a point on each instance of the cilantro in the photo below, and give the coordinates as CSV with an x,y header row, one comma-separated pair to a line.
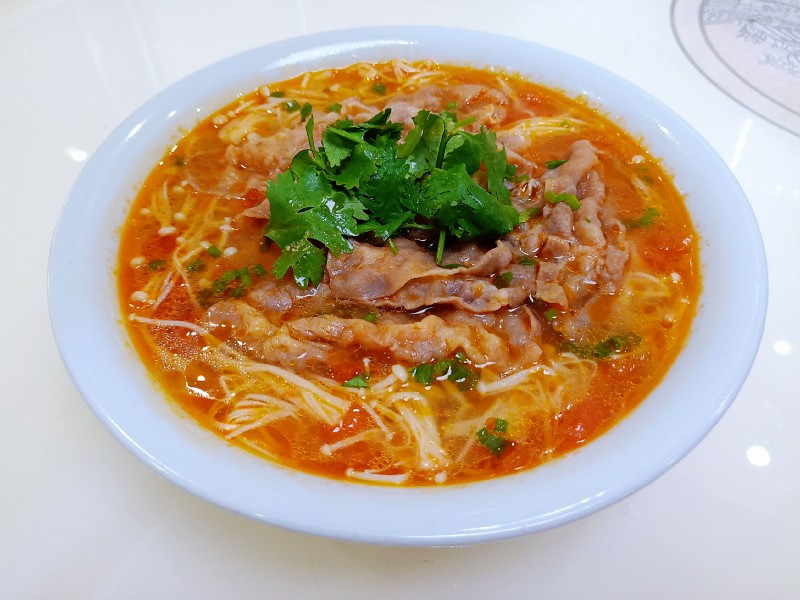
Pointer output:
x,y
305,111
363,180
452,369
291,105
259,270
359,381
647,219
568,199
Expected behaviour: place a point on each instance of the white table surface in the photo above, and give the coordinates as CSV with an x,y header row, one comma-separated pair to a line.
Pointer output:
x,y
80,517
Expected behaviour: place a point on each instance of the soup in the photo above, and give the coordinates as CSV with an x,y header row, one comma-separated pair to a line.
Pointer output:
x,y
408,274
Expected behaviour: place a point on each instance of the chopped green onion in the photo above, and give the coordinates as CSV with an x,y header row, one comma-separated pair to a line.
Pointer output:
x,y
244,277
359,381
612,345
528,261
214,251
525,215
222,282
646,220
196,266
503,280
453,266
379,88
277,94
453,369
259,270
370,317
237,292
500,425
462,376
550,314
423,374
451,106
157,264
552,164
568,199
335,107
493,443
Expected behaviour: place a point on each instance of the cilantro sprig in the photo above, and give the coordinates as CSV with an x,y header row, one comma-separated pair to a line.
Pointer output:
x,y
364,179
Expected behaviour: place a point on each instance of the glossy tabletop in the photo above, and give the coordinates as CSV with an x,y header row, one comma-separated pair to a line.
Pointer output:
x,y
80,517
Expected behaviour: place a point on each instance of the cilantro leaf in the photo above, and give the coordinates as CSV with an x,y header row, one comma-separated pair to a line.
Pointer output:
x,y
361,179
459,203
305,207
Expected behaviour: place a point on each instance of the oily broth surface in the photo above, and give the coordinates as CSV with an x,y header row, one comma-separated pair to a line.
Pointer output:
x,y
666,251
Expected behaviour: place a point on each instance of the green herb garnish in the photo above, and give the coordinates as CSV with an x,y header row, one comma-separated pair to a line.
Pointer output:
x,y
363,180
195,266
157,264
568,199
334,107
552,164
550,314
370,317
277,94
305,111
528,261
452,369
379,88
423,374
503,280
214,251
647,219
359,381
492,442
615,344
291,106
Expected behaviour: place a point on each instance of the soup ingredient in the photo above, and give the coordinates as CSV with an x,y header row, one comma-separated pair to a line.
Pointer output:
x,y
361,180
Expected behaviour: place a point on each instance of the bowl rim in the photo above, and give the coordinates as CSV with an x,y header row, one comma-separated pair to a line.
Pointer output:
x,y
85,313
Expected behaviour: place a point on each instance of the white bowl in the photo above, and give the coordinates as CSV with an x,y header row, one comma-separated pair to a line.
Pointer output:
x,y
666,426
